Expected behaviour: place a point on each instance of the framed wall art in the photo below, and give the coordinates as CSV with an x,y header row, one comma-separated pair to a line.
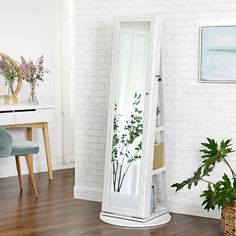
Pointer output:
x,y
217,54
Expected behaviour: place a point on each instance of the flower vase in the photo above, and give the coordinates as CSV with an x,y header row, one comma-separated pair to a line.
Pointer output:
x,y
32,97
10,89
9,98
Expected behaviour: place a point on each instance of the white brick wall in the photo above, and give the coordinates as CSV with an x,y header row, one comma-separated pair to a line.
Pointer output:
x,y
193,110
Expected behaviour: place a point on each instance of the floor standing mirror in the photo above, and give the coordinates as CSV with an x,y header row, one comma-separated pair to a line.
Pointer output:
x,y
134,194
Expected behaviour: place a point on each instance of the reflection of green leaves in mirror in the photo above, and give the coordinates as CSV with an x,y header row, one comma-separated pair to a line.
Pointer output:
x,y
125,138
8,71
222,192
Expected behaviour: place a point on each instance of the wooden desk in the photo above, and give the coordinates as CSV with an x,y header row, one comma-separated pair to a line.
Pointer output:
x,y
29,117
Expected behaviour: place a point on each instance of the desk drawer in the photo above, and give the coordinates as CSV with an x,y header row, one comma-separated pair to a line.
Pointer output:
x,y
7,118
40,115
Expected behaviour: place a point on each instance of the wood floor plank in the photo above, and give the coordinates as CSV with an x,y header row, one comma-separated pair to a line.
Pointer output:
x,y
55,212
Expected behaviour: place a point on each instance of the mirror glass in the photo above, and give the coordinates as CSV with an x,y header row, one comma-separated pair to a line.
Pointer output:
x,y
10,79
129,95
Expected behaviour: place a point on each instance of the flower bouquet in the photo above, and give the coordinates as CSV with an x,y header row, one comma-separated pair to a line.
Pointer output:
x,y
8,71
32,73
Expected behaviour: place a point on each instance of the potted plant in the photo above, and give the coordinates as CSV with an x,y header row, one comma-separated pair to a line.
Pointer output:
x,y
221,194
32,73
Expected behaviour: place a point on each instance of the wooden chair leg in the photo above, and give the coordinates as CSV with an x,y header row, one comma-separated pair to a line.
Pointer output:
x,y
31,174
17,158
29,136
47,149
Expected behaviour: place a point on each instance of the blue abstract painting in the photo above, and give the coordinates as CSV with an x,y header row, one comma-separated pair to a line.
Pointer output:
x,y
218,54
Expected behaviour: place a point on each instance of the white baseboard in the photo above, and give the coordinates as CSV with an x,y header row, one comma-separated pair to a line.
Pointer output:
x,y
86,193
10,170
62,166
187,208
193,209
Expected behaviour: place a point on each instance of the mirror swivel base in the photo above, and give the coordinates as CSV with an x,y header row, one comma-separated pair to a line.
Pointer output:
x,y
152,221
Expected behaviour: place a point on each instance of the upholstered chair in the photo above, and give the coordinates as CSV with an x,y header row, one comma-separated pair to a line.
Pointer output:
x,y
17,148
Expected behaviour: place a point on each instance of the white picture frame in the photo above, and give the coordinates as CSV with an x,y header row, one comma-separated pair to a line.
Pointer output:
x,y
217,54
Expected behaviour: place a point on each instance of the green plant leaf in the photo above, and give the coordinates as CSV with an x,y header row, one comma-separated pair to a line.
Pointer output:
x,y
190,181
220,194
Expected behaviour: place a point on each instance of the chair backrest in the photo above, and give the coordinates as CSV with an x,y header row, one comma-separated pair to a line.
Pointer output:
x,y
5,143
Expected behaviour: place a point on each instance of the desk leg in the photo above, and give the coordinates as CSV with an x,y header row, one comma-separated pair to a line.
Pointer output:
x,y
29,135
47,149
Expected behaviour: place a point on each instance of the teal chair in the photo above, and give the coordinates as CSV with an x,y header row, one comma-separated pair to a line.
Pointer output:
x,y
17,148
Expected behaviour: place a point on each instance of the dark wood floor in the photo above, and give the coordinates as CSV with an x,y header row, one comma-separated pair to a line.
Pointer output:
x,y
57,213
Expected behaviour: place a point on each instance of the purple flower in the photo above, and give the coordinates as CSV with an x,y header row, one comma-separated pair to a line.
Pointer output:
x,y
32,72
2,65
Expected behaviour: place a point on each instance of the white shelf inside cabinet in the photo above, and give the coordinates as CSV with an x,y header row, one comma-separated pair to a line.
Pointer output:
x,y
160,129
158,171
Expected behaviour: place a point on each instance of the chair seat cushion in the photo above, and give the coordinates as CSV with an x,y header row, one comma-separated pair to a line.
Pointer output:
x,y
23,147
5,143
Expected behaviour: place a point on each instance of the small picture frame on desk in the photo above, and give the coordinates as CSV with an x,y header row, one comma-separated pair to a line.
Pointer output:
x,y
6,100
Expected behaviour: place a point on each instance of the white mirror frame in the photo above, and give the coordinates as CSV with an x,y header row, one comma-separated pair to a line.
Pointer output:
x,y
145,178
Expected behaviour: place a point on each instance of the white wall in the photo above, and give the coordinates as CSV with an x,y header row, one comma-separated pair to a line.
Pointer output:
x,y
193,111
31,28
